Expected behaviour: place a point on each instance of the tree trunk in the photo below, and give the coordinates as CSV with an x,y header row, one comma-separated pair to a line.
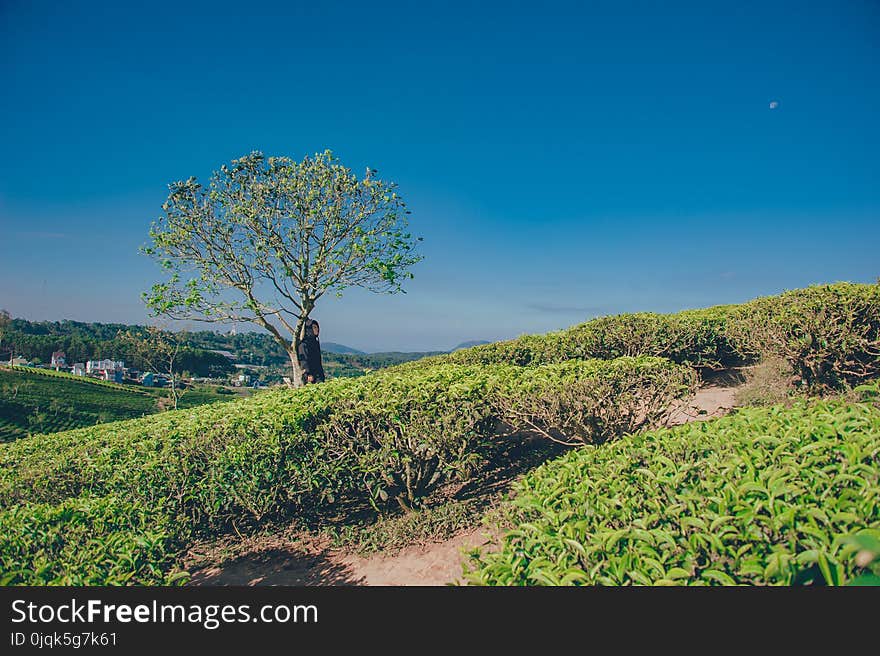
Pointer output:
x,y
293,347
296,381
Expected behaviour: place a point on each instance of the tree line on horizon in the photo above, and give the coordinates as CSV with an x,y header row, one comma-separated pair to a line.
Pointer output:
x,y
82,341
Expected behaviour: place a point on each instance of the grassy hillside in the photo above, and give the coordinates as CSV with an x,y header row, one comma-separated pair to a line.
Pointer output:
x,y
43,401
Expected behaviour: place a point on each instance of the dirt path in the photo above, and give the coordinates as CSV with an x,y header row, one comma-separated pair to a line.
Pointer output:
x,y
439,563
431,564
709,402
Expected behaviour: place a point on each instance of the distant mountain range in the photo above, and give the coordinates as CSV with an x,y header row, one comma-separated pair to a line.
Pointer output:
x,y
473,342
333,347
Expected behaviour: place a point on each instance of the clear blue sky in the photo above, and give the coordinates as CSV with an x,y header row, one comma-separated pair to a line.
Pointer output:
x,y
561,161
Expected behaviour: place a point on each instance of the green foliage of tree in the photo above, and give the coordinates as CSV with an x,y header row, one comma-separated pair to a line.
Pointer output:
x,y
5,321
160,350
267,237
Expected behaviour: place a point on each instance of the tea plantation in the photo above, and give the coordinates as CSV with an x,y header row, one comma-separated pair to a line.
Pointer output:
x,y
45,401
779,495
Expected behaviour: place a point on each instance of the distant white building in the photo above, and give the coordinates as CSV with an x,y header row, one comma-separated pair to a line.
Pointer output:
x,y
97,366
19,362
59,359
78,369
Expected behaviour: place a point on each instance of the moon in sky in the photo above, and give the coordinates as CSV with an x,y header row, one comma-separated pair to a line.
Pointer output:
x,y
774,104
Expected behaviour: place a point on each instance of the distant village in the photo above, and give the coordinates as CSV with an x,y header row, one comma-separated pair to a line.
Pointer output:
x,y
115,371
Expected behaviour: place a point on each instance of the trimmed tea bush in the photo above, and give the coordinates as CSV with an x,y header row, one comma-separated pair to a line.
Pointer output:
x,y
694,337
85,541
588,402
409,432
301,447
213,462
769,496
404,434
829,334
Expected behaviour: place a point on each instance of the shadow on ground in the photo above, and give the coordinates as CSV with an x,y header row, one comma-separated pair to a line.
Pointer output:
x,y
732,377
513,456
278,567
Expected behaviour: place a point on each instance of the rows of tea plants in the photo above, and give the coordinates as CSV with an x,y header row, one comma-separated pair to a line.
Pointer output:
x,y
46,401
769,496
829,335
693,337
40,401
384,438
52,373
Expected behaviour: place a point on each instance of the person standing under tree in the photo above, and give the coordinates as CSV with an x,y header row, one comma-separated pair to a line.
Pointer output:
x,y
310,354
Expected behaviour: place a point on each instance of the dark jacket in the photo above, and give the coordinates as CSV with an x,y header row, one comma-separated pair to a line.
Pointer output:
x,y
309,354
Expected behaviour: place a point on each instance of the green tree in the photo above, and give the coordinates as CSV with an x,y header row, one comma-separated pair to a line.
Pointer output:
x,y
159,350
5,320
268,237
79,350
